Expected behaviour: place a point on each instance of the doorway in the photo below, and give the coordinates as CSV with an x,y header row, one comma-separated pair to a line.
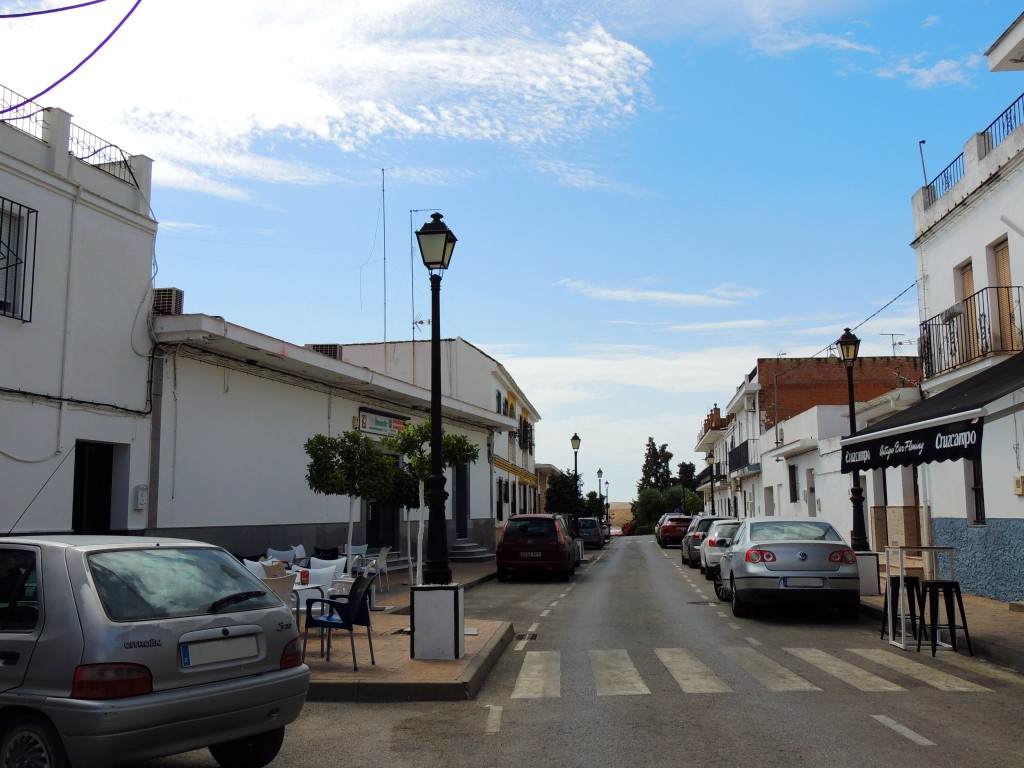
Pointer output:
x,y
93,483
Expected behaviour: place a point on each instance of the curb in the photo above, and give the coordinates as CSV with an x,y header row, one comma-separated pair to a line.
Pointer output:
x,y
466,687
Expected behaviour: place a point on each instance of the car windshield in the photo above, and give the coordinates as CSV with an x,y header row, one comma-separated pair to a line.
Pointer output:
x,y
585,523
140,584
530,529
803,530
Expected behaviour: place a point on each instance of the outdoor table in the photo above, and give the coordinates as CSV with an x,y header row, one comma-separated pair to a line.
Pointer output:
x,y
900,554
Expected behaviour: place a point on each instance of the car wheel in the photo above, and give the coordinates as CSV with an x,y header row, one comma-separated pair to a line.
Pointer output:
x,y
253,751
502,574
708,571
740,607
693,563
700,566
31,742
567,573
721,591
662,544
850,610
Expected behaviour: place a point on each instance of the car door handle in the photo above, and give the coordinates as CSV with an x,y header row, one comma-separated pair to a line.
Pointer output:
x,y
9,658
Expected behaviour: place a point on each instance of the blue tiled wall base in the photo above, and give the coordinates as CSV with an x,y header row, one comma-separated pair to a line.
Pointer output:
x,y
989,559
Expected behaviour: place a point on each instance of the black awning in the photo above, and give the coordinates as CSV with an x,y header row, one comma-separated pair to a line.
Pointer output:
x,y
943,427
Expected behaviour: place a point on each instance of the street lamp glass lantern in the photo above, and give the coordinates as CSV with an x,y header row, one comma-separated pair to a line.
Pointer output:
x,y
849,346
436,243
710,459
600,474
575,441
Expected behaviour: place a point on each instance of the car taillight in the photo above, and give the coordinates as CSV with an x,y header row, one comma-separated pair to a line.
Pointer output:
x,y
760,556
111,681
712,542
291,656
845,556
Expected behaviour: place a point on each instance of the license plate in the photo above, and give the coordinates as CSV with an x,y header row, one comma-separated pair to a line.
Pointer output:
x,y
803,581
529,554
213,651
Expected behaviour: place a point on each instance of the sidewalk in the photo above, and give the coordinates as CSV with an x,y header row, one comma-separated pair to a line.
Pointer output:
x,y
396,676
997,635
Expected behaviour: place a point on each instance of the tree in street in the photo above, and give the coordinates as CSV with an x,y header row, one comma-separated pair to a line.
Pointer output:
x,y
655,473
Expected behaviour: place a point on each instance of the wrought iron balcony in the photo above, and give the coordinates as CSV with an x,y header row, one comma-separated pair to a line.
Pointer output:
x,y
986,323
746,456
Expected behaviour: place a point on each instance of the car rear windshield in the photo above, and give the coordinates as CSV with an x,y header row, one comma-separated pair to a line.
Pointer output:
x,y
140,584
679,520
793,531
586,523
530,529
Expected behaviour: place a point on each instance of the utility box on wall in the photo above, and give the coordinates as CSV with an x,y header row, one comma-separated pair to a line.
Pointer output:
x,y
438,621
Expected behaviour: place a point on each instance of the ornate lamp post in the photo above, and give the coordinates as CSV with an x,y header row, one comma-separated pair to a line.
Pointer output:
x,y
710,459
849,346
436,243
575,441
600,498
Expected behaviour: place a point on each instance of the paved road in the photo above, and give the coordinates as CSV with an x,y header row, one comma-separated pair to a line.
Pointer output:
x,y
636,662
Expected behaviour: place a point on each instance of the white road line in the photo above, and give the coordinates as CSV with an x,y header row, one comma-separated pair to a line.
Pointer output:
x,y
552,605
723,614
915,669
615,675
902,730
520,645
540,676
544,613
768,672
859,678
752,640
691,675
493,719
534,627
734,625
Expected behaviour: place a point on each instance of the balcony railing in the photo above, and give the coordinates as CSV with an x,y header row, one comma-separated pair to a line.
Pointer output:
x,y
986,323
746,454
1011,119
29,117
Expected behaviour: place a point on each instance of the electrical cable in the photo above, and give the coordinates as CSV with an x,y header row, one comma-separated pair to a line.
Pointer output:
x,y
50,10
77,66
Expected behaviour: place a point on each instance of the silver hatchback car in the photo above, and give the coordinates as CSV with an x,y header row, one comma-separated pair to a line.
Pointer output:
x,y
789,560
117,649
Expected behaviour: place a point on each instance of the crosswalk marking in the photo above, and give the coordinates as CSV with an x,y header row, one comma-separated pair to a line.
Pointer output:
x,y
540,676
933,677
982,668
691,675
859,678
615,674
769,673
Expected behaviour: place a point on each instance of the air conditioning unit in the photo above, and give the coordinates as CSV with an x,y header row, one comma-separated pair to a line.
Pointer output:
x,y
748,402
331,350
1018,485
168,301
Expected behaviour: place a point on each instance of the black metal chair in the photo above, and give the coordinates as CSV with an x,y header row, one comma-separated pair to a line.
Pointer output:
x,y
346,612
951,596
915,600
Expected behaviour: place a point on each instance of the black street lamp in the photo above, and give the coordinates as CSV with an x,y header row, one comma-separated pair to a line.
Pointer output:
x,y
436,243
575,441
710,459
607,504
600,498
849,346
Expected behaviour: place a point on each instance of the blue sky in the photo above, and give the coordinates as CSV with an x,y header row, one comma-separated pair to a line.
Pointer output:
x,y
648,195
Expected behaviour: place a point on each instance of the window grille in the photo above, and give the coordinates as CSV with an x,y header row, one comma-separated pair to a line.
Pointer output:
x,y
18,229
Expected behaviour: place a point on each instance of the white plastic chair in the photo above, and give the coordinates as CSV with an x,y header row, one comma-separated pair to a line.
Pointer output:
x,y
378,564
318,585
337,565
255,567
300,555
282,586
284,555
355,554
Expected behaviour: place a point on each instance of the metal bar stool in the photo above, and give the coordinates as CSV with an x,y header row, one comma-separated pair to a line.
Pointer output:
x,y
950,590
915,598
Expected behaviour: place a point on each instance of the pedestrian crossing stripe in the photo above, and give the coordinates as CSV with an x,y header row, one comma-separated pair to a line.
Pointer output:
x,y
615,674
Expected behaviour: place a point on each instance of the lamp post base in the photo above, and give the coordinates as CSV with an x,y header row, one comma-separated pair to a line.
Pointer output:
x,y
438,622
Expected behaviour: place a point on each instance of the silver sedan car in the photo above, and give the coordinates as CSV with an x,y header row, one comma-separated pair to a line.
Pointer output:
x,y
713,545
119,649
789,560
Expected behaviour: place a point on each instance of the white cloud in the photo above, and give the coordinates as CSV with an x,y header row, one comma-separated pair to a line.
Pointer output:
x,y
650,297
941,73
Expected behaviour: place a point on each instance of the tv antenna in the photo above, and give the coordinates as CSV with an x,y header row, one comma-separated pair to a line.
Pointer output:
x,y
892,340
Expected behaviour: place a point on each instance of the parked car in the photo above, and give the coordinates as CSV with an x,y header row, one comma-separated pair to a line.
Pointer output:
x,y
657,525
535,544
693,537
616,530
718,537
606,530
591,533
121,649
789,560
672,529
